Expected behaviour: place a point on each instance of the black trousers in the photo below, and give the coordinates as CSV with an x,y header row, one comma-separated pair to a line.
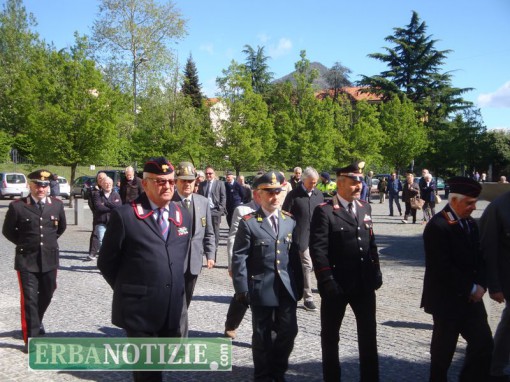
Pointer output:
x,y
474,328
150,376
93,242
189,286
332,314
271,357
36,291
235,314
410,211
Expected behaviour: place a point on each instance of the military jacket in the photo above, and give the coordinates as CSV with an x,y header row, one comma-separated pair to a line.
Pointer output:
x,y
35,233
343,247
263,263
145,271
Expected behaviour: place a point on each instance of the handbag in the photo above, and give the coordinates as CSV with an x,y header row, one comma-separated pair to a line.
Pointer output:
x,y
417,203
438,199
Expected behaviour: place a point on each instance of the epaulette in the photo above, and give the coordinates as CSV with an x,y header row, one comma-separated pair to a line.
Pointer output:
x,y
286,213
361,202
139,211
249,216
450,219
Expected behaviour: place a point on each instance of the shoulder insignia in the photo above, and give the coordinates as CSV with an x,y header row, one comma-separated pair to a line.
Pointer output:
x,y
249,216
139,212
259,218
285,213
361,202
450,219
175,214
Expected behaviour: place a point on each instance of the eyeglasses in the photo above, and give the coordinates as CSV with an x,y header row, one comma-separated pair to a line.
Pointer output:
x,y
209,173
162,182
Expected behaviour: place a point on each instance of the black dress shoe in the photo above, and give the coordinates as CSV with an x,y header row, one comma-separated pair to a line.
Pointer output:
x,y
42,332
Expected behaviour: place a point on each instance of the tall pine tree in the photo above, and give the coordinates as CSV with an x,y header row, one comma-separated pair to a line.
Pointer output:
x,y
191,87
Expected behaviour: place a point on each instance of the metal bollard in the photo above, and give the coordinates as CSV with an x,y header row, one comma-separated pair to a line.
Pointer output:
x,y
79,213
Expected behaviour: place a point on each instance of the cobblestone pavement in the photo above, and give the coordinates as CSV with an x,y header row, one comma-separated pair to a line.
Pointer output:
x,y
81,308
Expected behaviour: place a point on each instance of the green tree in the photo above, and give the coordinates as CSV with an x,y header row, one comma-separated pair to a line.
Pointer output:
x,y
191,85
19,48
495,149
132,38
414,69
405,136
247,135
365,136
79,109
256,64
459,144
337,78
173,126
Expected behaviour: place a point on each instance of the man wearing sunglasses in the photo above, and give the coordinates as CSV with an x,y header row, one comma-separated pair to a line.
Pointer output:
x,y
267,275
142,258
214,190
34,224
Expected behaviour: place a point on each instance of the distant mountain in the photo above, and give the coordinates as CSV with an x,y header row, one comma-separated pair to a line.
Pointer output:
x,y
319,83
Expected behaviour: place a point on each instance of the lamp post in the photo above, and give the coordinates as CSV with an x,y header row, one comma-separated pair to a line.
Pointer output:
x,y
136,63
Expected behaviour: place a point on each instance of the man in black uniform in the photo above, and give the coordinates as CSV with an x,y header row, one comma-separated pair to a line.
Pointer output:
x,y
142,258
267,274
34,224
454,285
346,264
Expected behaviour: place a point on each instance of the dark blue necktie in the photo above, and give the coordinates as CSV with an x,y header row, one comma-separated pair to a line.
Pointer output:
x,y
163,223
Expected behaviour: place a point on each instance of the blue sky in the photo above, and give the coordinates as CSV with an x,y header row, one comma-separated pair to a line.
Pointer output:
x,y
330,31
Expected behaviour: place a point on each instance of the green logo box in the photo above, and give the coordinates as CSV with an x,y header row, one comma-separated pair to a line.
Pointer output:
x,y
179,354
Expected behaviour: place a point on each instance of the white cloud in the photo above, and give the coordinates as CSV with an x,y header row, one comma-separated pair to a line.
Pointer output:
x,y
498,99
263,37
209,48
283,47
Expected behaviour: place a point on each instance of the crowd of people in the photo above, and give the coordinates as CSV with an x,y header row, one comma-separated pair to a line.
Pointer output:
x,y
153,237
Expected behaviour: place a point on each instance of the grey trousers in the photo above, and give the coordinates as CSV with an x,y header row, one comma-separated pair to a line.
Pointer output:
x,y
306,262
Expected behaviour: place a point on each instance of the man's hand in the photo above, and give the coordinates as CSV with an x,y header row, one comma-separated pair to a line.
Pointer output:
x,y
498,296
478,294
329,288
210,264
243,298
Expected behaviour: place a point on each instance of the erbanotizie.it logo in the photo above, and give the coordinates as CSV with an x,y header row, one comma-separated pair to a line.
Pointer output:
x,y
179,354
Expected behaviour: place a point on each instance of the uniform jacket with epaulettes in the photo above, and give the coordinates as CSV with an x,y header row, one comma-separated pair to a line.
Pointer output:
x,y
344,248
35,233
261,260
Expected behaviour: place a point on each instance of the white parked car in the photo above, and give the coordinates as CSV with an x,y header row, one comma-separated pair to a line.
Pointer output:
x,y
64,187
13,184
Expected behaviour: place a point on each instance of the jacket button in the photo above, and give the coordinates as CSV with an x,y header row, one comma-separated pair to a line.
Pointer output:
x,y
277,241
167,286
277,251
277,261
361,248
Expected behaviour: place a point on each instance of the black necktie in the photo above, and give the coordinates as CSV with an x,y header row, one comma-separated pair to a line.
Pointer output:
x,y
465,225
186,203
351,211
274,223
40,205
